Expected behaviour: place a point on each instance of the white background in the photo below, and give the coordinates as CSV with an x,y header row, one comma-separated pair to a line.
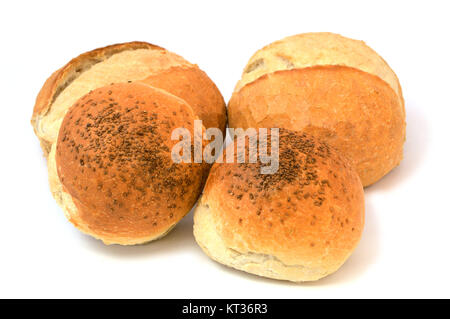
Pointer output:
x,y
405,248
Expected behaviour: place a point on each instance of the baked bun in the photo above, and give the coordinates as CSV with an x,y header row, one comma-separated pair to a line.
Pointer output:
x,y
111,168
299,224
330,86
120,63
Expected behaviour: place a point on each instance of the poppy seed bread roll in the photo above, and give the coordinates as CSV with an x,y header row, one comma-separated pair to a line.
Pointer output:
x,y
330,86
111,168
299,224
120,63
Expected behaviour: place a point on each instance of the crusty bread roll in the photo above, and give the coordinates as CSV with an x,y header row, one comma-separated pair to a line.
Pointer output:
x,y
134,61
299,224
330,86
111,168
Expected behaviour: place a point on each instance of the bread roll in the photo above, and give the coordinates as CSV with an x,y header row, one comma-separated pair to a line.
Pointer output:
x,y
299,224
134,61
330,86
111,168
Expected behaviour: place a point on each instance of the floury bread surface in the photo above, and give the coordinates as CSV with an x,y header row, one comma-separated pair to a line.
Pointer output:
x,y
330,86
299,224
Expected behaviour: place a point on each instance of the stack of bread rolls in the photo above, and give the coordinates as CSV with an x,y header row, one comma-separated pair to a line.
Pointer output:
x,y
105,121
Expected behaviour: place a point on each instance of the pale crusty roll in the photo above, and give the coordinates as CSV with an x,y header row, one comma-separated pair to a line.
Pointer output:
x,y
299,224
119,63
333,87
111,168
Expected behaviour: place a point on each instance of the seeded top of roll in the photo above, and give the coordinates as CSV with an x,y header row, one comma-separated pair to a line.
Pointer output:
x,y
315,190
300,157
113,157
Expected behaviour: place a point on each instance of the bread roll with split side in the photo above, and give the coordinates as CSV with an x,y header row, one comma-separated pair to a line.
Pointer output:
x,y
109,145
111,168
299,224
119,63
330,86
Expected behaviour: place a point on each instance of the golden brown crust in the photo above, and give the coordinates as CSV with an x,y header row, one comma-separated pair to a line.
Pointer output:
x,y
354,111
43,100
196,88
113,157
318,48
119,63
62,78
53,86
356,136
298,224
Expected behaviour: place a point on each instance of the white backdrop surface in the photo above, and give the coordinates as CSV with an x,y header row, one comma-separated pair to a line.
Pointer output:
x,y
405,249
